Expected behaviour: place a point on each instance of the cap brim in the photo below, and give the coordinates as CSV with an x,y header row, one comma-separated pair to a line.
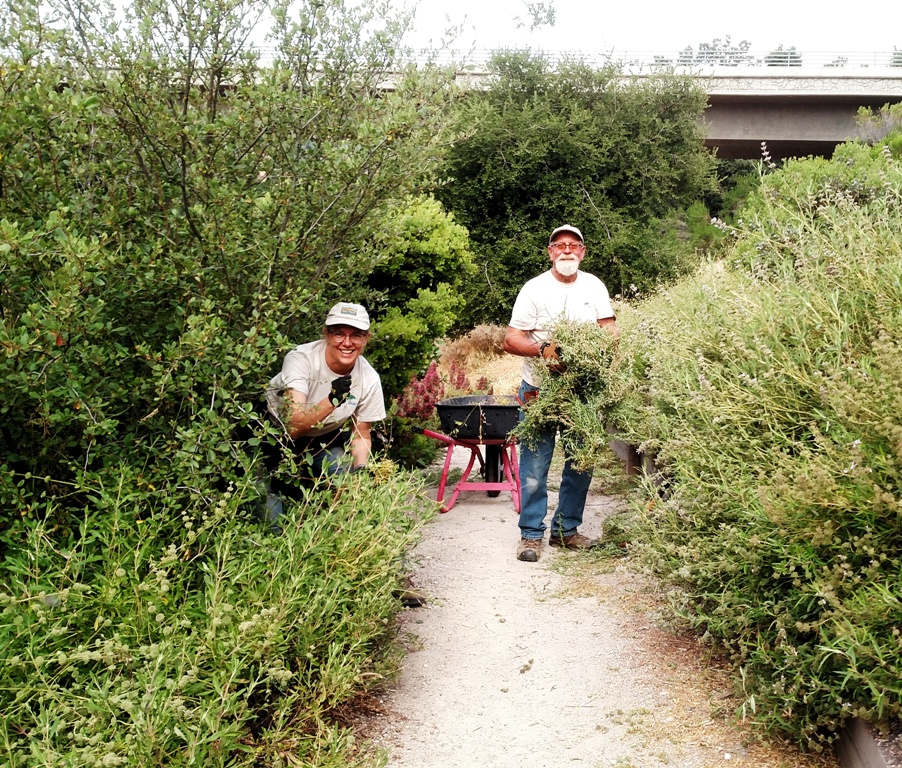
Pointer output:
x,y
358,324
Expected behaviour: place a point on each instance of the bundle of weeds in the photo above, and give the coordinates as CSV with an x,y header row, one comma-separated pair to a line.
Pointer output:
x,y
770,397
578,399
132,643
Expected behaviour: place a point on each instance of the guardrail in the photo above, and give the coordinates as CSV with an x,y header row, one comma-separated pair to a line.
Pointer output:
x,y
688,60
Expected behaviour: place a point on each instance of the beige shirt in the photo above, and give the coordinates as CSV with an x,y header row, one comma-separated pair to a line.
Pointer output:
x,y
304,369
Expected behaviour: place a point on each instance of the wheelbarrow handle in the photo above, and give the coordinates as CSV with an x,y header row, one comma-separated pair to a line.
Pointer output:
x,y
435,435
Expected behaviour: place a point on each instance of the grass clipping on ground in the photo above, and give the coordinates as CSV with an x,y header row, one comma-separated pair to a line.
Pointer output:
x,y
576,400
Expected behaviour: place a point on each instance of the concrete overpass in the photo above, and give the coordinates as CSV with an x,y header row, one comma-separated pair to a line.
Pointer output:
x,y
796,114
804,104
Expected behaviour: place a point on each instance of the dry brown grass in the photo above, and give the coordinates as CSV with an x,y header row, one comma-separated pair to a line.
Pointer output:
x,y
481,354
484,341
503,374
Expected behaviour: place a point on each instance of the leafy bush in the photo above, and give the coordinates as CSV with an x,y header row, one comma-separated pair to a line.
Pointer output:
x,y
165,243
736,180
546,145
415,289
408,336
189,636
768,390
422,248
173,217
703,234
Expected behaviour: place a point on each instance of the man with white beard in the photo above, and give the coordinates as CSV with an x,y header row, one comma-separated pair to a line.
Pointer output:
x,y
561,293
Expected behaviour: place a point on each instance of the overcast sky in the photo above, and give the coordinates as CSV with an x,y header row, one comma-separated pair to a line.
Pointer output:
x,y
658,25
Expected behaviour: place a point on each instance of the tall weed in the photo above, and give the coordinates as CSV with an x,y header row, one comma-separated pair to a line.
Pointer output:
x,y
134,642
768,389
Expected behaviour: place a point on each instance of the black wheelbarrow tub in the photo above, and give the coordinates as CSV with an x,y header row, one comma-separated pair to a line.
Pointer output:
x,y
478,417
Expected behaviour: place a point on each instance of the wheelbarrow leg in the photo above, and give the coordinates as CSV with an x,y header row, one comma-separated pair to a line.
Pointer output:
x,y
512,472
443,481
474,454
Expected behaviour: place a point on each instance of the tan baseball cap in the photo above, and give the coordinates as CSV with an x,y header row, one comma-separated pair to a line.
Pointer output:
x,y
344,313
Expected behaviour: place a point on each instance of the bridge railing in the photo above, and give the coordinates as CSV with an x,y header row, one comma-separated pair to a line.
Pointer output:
x,y
643,62
702,62
728,61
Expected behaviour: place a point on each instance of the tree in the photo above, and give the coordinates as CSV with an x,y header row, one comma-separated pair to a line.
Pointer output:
x,y
720,53
573,144
175,215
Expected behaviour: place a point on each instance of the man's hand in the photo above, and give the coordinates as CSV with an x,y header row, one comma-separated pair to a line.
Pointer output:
x,y
341,388
551,354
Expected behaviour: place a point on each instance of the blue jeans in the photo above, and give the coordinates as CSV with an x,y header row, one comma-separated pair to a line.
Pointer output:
x,y
328,462
535,462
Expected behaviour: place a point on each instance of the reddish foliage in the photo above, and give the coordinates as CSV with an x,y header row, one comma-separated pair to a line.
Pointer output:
x,y
420,396
457,377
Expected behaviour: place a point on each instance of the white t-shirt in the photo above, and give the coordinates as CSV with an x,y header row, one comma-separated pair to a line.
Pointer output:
x,y
545,301
305,370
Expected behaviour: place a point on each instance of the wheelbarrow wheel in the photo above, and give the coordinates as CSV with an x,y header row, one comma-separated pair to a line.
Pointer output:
x,y
494,471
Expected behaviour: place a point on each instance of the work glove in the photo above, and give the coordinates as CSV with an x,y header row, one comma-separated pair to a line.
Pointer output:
x,y
341,389
551,354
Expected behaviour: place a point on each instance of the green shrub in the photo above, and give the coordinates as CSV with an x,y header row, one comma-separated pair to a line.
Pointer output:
x,y
407,336
703,234
146,635
415,289
768,391
163,246
175,216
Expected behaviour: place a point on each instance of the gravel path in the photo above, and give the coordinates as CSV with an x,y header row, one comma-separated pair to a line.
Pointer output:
x,y
550,664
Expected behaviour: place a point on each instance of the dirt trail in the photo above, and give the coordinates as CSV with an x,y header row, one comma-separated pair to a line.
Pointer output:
x,y
547,665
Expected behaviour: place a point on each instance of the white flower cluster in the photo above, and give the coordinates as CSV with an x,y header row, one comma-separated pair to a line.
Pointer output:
x,y
723,226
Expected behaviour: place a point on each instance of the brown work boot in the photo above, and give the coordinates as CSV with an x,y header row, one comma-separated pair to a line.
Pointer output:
x,y
410,597
574,541
529,550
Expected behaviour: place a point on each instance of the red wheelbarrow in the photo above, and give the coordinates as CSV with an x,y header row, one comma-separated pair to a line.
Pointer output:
x,y
471,422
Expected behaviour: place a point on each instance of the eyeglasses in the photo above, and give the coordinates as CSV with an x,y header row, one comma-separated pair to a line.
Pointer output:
x,y
567,246
355,337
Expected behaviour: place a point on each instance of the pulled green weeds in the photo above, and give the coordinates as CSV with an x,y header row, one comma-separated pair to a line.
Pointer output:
x,y
578,399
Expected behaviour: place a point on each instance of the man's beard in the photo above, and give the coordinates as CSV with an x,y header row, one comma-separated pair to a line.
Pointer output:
x,y
566,267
